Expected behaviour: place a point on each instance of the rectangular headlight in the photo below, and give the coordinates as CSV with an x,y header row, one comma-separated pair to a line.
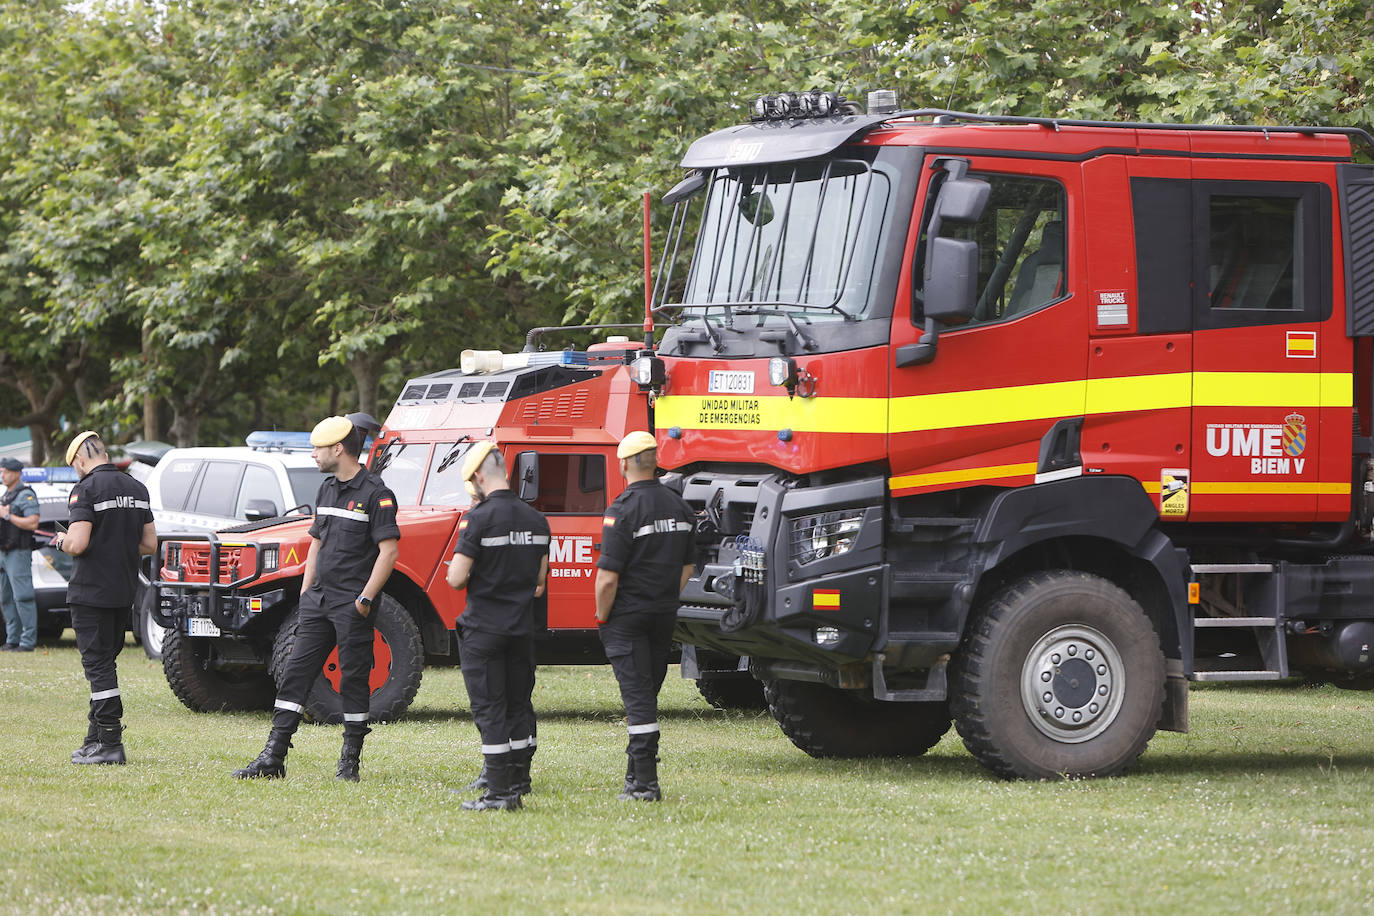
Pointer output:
x,y
829,534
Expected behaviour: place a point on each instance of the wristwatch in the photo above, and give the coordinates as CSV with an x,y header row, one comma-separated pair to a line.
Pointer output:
x,y
365,601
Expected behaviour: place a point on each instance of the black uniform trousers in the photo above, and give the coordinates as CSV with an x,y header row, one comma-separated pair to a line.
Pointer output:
x,y
319,630
637,646
99,638
498,671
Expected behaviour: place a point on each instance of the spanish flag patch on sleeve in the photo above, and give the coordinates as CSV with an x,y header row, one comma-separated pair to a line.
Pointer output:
x,y
463,524
73,498
608,520
385,502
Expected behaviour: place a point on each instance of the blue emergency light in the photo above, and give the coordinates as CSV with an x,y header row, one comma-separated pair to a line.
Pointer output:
x,y
49,475
271,440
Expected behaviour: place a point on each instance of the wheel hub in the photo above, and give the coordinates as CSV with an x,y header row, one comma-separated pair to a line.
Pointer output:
x,y
1072,683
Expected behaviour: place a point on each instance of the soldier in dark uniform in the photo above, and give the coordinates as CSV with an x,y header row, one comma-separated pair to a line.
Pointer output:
x,y
18,519
502,559
647,547
110,525
353,547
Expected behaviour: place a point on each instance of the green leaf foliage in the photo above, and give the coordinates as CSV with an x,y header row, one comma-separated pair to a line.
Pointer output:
x,y
222,214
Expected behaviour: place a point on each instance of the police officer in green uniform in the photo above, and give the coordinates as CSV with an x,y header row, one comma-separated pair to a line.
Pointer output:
x,y
110,525
18,519
502,559
353,548
647,547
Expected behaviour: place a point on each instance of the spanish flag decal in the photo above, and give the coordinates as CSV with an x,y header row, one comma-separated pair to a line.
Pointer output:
x,y
825,599
607,520
1302,345
463,524
386,502
73,498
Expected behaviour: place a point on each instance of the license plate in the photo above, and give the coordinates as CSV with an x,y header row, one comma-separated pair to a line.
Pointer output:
x,y
730,381
201,626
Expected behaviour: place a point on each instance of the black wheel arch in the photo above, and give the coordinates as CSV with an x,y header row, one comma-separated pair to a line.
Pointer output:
x,y
1103,525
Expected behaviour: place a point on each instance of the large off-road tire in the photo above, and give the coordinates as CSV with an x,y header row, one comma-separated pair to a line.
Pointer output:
x,y
397,667
826,722
147,632
206,689
738,691
1060,674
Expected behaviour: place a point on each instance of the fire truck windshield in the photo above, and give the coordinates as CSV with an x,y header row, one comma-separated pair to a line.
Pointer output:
x,y
421,474
794,236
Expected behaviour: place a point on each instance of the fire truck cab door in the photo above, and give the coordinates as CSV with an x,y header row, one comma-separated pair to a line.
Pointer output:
x,y
977,412
1261,297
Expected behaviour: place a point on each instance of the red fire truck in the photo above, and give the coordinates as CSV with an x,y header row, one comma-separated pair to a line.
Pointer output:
x,y
228,598
1020,423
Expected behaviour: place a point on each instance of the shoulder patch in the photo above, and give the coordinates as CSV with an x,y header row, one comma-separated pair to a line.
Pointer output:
x,y
463,524
608,520
73,498
386,502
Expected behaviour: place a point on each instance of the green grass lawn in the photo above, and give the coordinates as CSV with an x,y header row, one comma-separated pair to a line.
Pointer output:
x,y
1264,807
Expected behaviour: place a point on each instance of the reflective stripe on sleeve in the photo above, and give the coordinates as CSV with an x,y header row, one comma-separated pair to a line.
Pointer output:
x,y
353,516
496,748
643,729
289,707
104,694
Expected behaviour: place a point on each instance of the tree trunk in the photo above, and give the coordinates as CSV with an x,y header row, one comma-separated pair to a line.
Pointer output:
x,y
367,374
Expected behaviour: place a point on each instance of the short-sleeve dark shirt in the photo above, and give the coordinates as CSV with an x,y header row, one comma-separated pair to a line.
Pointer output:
x,y
351,518
507,540
647,536
116,505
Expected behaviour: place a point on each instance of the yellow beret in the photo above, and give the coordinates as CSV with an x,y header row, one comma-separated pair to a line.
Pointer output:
x,y
76,443
635,443
475,456
330,430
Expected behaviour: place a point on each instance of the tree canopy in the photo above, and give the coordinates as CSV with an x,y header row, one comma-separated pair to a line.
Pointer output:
x,y
221,215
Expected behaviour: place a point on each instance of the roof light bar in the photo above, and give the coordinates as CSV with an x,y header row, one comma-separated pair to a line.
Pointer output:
x,y
813,104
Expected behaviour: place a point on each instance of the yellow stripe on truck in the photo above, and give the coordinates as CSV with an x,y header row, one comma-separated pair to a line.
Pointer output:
x,y
965,475
1011,404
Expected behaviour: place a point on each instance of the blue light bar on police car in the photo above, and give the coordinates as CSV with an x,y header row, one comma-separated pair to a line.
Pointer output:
x,y
49,475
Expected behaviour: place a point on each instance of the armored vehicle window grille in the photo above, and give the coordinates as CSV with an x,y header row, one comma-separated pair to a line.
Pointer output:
x,y
470,390
413,393
439,391
495,389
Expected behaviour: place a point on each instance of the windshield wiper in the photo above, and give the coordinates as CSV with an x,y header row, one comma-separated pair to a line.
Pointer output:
x,y
384,458
807,342
453,454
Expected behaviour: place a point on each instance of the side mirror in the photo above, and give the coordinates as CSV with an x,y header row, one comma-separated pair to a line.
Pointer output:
x,y
527,476
951,280
258,509
962,200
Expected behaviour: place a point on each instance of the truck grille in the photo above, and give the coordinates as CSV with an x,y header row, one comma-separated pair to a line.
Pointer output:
x,y
234,562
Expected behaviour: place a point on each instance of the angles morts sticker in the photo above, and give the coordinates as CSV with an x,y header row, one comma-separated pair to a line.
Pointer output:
x,y
1173,493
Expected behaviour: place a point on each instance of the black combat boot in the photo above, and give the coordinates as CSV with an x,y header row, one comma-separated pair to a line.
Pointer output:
x,y
498,795
109,749
645,785
520,770
481,781
629,777
90,744
271,763
348,758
